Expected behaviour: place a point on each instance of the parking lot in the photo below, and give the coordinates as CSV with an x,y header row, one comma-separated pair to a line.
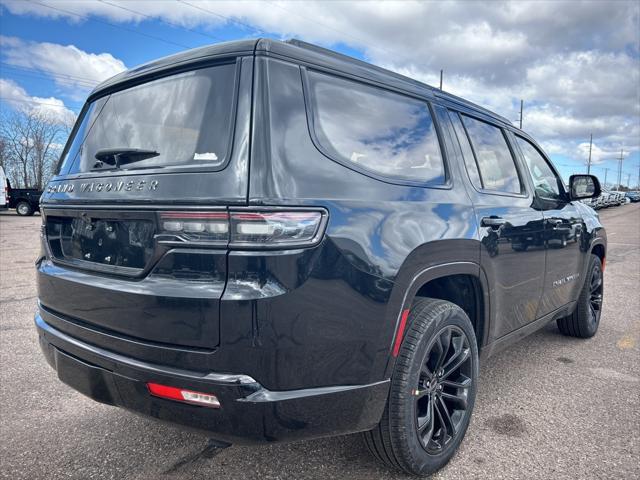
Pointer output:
x,y
548,407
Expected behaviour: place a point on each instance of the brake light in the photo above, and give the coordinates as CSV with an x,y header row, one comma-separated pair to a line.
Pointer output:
x,y
246,229
274,228
196,226
182,395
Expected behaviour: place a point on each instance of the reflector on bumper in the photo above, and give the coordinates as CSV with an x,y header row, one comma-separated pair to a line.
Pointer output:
x,y
182,395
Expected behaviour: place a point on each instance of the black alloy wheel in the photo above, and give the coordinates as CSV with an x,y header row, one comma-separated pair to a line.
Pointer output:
x,y
442,392
595,297
432,392
585,319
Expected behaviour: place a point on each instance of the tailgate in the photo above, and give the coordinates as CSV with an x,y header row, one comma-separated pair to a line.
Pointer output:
x,y
175,144
111,271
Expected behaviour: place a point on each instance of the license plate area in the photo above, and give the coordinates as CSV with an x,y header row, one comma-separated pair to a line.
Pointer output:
x,y
120,243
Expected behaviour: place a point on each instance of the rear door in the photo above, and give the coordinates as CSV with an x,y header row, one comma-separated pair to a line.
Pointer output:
x,y
132,220
511,230
564,228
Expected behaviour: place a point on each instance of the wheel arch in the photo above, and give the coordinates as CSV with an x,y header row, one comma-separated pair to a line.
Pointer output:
x,y
600,251
450,282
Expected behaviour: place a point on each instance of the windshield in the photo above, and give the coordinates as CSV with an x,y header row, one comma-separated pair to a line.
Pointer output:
x,y
186,118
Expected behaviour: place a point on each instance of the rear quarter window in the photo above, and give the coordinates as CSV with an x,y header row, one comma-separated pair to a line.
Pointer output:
x,y
375,130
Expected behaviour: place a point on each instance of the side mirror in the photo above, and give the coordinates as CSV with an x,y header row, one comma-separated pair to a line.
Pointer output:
x,y
584,186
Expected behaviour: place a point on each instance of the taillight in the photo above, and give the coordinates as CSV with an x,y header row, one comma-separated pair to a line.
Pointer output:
x,y
182,395
274,228
246,229
196,226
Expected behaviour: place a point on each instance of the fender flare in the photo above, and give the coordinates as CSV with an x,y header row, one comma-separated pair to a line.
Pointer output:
x,y
594,244
434,272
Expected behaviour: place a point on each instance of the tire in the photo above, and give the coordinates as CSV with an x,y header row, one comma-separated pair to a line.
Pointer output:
x,y
585,319
24,208
395,441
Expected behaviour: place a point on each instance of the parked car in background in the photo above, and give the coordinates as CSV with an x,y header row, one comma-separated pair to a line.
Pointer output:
x,y
3,189
633,196
282,242
592,202
608,198
26,201
621,197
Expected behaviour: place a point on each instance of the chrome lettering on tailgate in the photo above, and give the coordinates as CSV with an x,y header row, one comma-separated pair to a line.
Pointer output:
x,y
110,186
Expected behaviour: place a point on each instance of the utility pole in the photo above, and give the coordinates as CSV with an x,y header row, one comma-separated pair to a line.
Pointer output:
x,y
441,73
628,179
521,108
589,163
606,170
620,168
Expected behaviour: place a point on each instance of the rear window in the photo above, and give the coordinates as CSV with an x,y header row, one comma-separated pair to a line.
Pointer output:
x,y
375,130
185,118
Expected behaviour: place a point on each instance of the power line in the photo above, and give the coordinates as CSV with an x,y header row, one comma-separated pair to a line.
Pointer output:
x,y
47,72
363,41
68,12
35,102
166,22
40,76
230,19
27,72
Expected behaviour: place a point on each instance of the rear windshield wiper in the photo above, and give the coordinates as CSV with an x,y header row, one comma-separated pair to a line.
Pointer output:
x,y
122,156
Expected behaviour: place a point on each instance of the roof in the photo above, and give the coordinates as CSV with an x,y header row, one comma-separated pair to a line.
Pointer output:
x,y
299,51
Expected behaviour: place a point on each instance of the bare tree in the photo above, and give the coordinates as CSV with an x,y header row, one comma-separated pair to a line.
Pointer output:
x,y
30,143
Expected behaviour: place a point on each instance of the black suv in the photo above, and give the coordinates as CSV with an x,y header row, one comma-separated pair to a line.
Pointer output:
x,y
271,241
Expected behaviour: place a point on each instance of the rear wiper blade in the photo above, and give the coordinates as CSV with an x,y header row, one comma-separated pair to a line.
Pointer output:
x,y
122,156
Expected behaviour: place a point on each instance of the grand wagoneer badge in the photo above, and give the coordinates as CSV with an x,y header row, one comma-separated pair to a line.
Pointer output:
x,y
113,186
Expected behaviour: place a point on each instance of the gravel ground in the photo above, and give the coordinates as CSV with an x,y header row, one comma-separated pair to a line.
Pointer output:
x,y
548,407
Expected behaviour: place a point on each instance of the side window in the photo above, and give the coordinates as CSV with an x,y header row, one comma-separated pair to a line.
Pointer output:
x,y
376,130
546,182
496,165
467,152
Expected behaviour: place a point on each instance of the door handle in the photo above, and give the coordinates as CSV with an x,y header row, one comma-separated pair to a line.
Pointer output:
x,y
493,222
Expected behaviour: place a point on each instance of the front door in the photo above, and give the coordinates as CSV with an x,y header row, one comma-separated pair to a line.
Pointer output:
x,y
511,230
563,226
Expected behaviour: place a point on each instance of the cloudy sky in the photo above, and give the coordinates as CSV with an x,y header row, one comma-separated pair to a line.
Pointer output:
x,y
575,64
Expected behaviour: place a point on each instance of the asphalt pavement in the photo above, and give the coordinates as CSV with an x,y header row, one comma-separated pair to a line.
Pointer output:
x,y
547,407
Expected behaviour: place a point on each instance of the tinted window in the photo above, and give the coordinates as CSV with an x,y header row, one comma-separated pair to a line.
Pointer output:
x,y
546,182
497,167
377,130
465,146
186,118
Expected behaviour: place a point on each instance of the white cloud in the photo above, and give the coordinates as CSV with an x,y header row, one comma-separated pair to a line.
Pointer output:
x,y
599,154
575,63
70,67
18,99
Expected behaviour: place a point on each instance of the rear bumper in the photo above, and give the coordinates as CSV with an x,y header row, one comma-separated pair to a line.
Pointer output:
x,y
249,413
